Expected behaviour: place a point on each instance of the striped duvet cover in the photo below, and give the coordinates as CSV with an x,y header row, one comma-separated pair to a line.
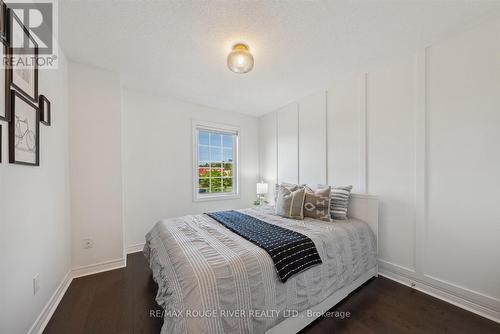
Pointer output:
x,y
211,280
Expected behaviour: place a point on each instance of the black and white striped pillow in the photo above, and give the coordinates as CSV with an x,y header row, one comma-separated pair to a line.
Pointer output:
x,y
339,201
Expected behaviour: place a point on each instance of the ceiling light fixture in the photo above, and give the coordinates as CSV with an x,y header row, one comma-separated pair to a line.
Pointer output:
x,y
240,60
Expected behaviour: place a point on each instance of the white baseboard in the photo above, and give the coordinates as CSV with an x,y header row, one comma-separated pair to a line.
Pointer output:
x,y
49,309
451,294
134,248
471,301
98,267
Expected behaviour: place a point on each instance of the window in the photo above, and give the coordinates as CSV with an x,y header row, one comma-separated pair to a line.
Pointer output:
x,y
215,161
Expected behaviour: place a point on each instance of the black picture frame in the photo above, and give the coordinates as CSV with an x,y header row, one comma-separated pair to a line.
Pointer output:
x,y
33,94
5,113
44,107
17,125
4,19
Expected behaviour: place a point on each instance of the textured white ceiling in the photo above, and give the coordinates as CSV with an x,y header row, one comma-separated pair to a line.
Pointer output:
x,y
179,48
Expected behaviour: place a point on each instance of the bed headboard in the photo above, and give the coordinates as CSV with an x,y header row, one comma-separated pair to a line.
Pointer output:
x,y
365,207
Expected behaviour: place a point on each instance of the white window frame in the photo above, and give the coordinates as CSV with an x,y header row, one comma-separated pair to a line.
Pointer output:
x,y
224,128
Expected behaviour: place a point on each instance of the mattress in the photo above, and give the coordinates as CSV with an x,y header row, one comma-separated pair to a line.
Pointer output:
x,y
211,280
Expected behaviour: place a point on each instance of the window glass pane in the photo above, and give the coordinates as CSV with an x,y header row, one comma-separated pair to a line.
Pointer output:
x,y
215,154
203,154
227,154
203,138
228,184
215,139
227,141
227,170
216,185
204,183
203,171
216,172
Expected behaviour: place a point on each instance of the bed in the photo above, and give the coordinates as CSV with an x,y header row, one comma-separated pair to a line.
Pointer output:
x,y
211,280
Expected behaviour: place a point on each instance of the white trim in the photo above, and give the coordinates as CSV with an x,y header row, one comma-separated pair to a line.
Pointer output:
x,y
123,144
43,318
365,196
295,324
46,314
468,300
363,133
385,263
327,177
298,142
276,145
134,248
98,267
421,149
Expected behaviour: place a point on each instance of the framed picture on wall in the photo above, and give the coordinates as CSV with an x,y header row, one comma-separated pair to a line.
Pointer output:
x,y
24,130
44,106
4,87
23,49
3,21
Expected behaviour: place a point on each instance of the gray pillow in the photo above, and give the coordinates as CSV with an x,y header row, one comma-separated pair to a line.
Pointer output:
x,y
317,203
287,185
339,202
290,203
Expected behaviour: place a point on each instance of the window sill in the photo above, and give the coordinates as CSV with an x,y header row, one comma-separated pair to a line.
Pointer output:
x,y
216,197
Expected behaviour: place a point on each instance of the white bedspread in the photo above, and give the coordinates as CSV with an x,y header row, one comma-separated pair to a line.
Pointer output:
x,y
210,280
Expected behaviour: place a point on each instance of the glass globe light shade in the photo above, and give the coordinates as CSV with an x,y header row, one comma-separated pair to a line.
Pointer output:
x,y
240,60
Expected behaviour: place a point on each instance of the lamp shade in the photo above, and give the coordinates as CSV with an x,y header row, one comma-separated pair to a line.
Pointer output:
x,y
261,188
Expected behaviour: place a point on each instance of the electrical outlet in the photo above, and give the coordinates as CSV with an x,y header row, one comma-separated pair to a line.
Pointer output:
x,y
88,243
36,284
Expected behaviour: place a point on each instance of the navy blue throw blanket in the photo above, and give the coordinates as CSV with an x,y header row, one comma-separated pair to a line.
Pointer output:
x,y
291,251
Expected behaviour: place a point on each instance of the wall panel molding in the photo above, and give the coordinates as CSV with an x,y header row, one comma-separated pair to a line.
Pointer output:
x,y
327,175
379,130
363,128
421,152
483,305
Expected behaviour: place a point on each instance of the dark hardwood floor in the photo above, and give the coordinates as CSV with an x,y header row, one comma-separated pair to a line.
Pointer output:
x,y
120,301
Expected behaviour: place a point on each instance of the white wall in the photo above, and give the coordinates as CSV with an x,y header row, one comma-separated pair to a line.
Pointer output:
x,y
312,139
463,159
287,140
268,151
157,160
95,164
422,134
391,117
34,215
344,133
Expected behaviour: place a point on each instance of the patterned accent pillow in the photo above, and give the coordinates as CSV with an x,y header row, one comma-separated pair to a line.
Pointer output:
x,y
339,202
317,203
290,203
